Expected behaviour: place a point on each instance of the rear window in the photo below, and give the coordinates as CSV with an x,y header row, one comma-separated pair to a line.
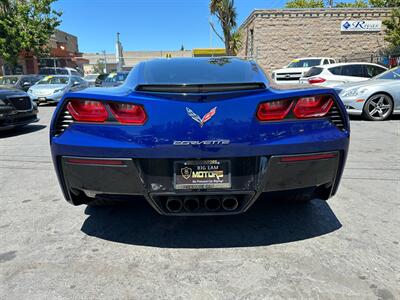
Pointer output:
x,y
314,71
198,71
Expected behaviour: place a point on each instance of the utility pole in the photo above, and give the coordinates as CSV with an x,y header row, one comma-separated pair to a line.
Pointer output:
x,y
105,60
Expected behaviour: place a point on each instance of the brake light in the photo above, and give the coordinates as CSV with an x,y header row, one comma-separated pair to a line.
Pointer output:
x,y
87,110
128,113
316,80
274,110
312,107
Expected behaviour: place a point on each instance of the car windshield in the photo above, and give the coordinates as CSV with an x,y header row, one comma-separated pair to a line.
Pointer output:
x,y
390,74
91,77
304,63
8,80
54,80
114,77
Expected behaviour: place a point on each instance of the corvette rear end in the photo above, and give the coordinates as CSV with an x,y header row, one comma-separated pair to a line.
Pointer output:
x,y
199,137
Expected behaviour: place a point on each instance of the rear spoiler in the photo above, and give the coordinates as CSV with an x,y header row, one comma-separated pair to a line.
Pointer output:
x,y
199,88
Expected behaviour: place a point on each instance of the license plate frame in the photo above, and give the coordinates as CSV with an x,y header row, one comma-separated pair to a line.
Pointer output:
x,y
202,174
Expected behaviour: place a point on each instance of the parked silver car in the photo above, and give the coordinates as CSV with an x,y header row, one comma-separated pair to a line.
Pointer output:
x,y
52,88
375,99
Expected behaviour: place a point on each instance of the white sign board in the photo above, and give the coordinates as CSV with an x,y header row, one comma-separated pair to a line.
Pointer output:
x,y
357,25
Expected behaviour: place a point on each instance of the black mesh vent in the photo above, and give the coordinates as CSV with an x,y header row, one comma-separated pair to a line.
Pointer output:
x,y
336,117
64,120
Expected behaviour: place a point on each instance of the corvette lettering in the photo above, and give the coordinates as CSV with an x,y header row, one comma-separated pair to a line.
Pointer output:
x,y
198,143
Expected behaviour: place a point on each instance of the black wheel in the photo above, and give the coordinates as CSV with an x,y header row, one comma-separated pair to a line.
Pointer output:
x,y
378,107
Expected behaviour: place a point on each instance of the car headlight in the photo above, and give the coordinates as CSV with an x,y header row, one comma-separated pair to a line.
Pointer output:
x,y
353,92
58,90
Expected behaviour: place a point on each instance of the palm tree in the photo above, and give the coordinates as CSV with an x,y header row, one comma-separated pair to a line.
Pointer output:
x,y
225,11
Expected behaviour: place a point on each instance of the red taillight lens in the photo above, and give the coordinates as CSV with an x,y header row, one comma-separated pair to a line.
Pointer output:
x,y
87,110
316,80
312,107
274,110
129,113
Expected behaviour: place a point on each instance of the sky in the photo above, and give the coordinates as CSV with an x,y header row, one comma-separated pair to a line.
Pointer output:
x,y
146,24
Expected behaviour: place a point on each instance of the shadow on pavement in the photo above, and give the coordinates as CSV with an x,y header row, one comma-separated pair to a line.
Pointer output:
x,y
21,130
266,223
360,118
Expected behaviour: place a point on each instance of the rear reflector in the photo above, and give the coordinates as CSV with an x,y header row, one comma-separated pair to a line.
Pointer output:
x,y
312,107
87,110
128,113
308,157
89,161
274,110
316,80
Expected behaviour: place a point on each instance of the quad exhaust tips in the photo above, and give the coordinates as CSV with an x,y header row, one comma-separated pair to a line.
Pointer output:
x,y
230,203
174,205
212,203
191,204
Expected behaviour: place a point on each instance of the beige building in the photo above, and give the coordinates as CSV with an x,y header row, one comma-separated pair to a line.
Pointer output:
x,y
275,37
131,58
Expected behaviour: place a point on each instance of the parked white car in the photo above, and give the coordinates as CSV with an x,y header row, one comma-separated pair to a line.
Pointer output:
x,y
336,74
297,68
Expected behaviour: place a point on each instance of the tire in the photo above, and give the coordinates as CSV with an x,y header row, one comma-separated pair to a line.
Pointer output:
x,y
378,107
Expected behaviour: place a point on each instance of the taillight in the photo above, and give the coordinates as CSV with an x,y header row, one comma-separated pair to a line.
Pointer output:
x,y
316,80
274,110
87,110
128,113
312,107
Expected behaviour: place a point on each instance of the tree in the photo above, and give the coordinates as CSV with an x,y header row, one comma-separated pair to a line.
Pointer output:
x,y
26,25
225,11
357,3
393,28
236,41
321,3
182,48
99,67
305,4
385,3
393,23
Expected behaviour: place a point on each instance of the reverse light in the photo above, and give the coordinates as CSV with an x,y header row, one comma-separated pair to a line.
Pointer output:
x,y
274,110
312,107
87,110
316,80
129,113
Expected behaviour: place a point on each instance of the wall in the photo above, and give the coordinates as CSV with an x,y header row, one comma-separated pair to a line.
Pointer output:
x,y
282,35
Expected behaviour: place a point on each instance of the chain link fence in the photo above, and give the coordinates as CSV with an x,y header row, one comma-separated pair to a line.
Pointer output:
x,y
388,58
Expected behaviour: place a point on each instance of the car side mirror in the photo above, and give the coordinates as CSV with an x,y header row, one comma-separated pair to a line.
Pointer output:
x,y
26,84
75,83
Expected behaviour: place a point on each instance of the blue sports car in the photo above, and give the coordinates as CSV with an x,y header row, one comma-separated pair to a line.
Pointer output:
x,y
199,136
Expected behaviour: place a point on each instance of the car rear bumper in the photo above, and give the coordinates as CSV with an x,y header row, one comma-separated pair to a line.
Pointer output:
x,y
84,181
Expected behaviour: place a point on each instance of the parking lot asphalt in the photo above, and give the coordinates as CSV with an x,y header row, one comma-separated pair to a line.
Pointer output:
x,y
346,248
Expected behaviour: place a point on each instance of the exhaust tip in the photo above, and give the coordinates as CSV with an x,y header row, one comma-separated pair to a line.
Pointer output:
x,y
212,203
230,203
191,204
174,205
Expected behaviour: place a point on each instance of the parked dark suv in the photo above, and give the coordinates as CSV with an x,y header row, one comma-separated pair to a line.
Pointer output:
x,y
16,109
21,82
